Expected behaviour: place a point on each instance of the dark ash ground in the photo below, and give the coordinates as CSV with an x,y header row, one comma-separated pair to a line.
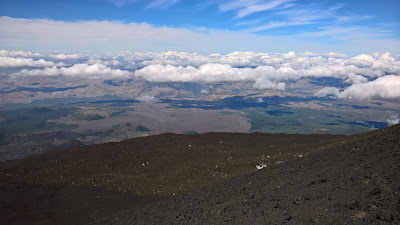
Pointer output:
x,y
338,180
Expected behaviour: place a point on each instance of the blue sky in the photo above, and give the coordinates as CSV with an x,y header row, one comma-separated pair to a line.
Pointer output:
x,y
350,27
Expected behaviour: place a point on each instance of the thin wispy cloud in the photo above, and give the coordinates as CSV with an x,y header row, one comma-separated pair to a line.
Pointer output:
x,y
348,32
162,3
276,24
41,34
253,6
351,19
153,4
120,3
310,12
296,17
89,35
260,7
248,22
202,26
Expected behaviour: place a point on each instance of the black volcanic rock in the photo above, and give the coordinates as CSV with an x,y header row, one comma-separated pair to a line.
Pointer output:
x,y
357,182
324,179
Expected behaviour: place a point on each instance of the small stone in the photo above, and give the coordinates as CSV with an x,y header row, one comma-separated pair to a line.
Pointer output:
x,y
360,215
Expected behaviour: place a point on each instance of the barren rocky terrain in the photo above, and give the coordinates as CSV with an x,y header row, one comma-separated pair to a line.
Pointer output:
x,y
210,179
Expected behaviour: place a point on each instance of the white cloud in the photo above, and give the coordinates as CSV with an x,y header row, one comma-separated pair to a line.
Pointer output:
x,y
247,7
78,70
204,92
328,91
266,70
236,4
330,54
162,3
281,67
69,36
393,120
260,100
42,34
205,73
5,53
107,63
364,57
296,16
334,54
386,87
359,63
355,79
21,62
263,76
352,19
259,7
350,32
66,56
263,83
290,54
120,3
146,98
276,24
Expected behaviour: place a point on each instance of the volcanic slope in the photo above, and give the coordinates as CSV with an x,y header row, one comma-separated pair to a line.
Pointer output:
x,y
86,184
210,179
357,182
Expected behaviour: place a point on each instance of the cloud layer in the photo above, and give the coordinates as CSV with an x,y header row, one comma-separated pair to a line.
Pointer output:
x,y
386,87
50,35
22,62
368,76
94,71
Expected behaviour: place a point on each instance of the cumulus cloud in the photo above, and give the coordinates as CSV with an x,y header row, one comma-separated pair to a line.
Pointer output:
x,y
263,83
241,66
355,79
393,120
359,63
205,73
327,91
21,62
330,54
5,53
334,54
289,65
66,56
107,63
204,92
146,98
386,87
78,70
290,54
266,70
263,76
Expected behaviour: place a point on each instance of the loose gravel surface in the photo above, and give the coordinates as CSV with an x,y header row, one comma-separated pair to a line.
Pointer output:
x,y
308,179
357,182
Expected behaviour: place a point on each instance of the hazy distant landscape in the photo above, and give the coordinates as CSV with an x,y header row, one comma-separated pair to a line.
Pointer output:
x,y
50,103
